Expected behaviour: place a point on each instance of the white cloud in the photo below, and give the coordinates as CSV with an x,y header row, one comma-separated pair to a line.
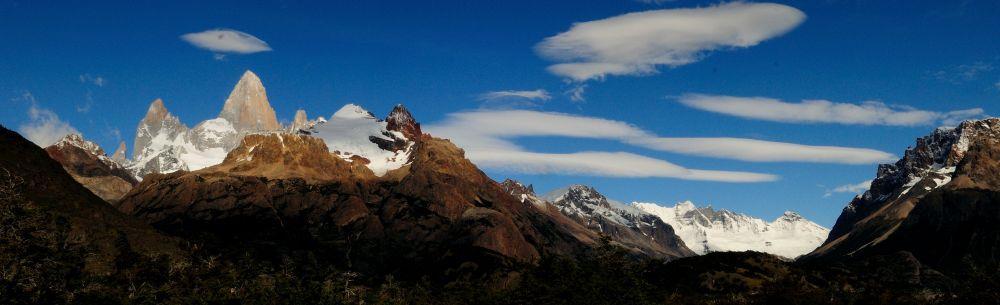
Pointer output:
x,y
538,94
96,80
44,127
487,137
823,111
857,188
637,43
226,41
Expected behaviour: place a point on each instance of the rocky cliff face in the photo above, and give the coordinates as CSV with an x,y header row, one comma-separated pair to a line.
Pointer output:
x,y
638,231
247,107
935,202
438,209
86,163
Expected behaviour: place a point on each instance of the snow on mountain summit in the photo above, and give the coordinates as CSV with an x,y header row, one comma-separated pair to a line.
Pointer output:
x,y
709,230
354,134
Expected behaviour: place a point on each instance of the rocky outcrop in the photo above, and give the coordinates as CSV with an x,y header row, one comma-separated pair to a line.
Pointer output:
x,y
638,231
86,163
247,107
400,119
937,202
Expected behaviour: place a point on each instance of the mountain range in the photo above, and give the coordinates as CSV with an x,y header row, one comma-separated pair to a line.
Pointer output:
x,y
356,208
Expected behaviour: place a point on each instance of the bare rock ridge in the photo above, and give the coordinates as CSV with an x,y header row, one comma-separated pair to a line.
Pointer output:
x,y
640,232
247,107
940,202
86,163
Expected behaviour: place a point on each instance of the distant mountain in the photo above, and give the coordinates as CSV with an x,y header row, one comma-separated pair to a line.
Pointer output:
x,y
634,229
705,230
86,162
940,202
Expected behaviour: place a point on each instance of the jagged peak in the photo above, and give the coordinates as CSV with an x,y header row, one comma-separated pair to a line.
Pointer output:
x,y
400,119
515,187
352,111
157,111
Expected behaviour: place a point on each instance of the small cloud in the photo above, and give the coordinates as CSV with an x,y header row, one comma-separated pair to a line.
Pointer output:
x,y
823,111
997,85
222,41
856,188
96,80
88,101
639,43
576,93
44,127
219,57
962,73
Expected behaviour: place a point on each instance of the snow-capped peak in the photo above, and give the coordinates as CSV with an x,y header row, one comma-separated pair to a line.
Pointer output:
x,y
352,111
353,131
78,141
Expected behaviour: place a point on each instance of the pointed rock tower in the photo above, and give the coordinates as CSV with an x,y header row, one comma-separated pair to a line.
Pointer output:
x,y
247,108
119,155
300,121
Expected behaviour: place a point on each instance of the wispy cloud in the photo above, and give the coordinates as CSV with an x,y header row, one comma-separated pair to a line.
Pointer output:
x,y
538,94
823,111
856,188
962,73
637,43
488,137
513,99
44,127
223,41
95,80
576,93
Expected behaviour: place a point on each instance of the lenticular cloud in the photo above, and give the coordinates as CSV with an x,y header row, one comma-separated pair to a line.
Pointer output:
x,y
636,43
226,41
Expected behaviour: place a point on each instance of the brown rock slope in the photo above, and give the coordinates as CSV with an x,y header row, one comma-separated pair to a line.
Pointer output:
x,y
87,164
941,203
283,193
44,210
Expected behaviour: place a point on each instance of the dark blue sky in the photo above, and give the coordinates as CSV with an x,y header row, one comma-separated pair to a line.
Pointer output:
x,y
438,57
